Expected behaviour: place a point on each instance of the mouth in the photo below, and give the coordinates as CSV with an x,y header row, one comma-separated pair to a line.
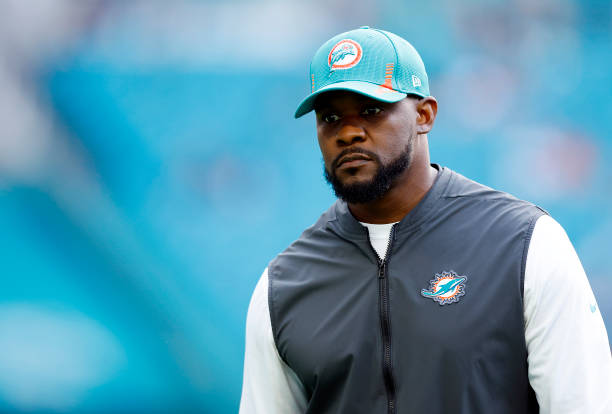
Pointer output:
x,y
353,160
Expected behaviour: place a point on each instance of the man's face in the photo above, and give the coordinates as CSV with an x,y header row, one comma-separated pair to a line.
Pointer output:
x,y
366,144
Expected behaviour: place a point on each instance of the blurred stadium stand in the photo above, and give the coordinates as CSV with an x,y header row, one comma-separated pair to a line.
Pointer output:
x,y
150,167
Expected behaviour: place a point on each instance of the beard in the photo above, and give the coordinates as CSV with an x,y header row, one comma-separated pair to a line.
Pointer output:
x,y
364,192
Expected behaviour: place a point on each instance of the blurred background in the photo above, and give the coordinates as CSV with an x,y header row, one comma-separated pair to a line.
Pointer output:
x,y
150,167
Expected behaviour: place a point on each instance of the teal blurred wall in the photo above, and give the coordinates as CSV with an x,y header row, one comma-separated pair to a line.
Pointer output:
x,y
150,167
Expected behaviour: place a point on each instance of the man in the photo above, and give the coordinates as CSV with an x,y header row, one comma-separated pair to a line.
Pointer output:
x,y
419,291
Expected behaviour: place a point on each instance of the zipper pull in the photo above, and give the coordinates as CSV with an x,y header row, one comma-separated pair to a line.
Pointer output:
x,y
381,270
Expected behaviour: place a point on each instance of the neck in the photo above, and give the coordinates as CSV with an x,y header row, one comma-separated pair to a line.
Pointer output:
x,y
407,192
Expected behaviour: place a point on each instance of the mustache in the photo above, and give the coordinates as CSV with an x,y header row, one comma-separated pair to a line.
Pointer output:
x,y
349,151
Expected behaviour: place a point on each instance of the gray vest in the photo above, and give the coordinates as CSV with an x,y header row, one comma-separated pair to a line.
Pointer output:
x,y
437,327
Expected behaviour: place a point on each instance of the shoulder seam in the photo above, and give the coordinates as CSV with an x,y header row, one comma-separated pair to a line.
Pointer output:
x,y
526,243
271,307
272,312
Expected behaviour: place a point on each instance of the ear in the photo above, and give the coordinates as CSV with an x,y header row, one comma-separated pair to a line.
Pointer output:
x,y
426,108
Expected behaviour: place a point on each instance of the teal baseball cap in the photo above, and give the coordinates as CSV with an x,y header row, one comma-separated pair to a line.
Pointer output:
x,y
367,61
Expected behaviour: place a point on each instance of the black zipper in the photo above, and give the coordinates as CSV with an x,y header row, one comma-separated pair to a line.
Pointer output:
x,y
385,321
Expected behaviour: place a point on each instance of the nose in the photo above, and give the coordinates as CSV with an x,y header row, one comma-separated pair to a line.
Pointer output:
x,y
349,135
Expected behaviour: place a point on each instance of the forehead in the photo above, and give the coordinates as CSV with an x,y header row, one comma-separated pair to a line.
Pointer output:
x,y
337,99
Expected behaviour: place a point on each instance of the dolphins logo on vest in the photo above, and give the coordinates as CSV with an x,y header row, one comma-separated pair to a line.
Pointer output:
x,y
345,54
445,288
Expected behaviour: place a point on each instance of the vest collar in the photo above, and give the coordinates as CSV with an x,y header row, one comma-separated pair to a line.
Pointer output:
x,y
342,221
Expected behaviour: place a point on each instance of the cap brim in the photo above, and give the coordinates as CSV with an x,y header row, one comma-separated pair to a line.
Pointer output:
x,y
378,92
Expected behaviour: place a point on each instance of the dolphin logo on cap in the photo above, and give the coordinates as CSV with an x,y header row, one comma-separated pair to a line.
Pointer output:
x,y
345,54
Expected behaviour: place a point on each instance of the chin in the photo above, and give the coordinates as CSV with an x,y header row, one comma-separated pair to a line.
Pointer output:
x,y
357,174
353,179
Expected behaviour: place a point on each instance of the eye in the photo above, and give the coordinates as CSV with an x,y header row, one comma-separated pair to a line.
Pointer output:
x,y
371,110
329,118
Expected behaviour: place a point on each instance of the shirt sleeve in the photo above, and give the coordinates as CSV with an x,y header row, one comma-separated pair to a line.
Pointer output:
x,y
570,365
269,385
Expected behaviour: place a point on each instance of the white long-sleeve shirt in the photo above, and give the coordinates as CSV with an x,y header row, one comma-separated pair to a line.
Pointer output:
x,y
569,360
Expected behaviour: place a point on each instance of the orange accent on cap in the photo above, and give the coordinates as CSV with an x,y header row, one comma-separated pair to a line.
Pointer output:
x,y
313,88
388,76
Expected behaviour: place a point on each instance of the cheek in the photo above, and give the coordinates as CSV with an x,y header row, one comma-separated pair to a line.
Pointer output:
x,y
397,140
325,153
